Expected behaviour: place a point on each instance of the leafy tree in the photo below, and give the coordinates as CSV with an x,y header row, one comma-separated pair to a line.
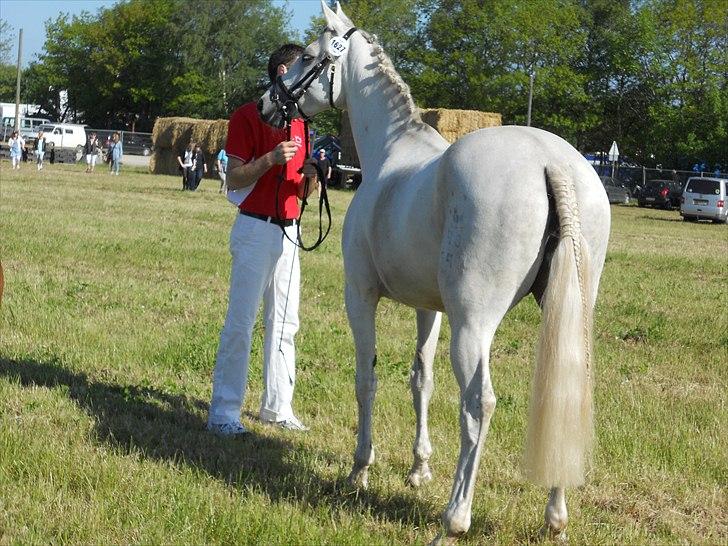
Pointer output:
x,y
689,118
6,41
225,45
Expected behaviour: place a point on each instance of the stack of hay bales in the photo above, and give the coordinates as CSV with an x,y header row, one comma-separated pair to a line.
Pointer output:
x,y
172,135
451,124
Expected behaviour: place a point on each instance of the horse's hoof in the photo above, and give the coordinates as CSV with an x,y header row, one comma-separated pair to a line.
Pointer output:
x,y
443,540
557,535
416,479
359,477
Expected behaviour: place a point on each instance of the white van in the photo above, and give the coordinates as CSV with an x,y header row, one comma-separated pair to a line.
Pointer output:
x,y
64,135
28,126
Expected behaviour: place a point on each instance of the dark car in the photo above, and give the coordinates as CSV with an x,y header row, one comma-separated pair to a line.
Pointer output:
x,y
663,194
137,143
616,190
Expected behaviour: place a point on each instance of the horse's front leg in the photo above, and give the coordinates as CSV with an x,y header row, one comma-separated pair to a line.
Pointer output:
x,y
428,328
470,346
360,309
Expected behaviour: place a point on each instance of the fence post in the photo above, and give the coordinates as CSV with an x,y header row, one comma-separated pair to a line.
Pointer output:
x,y
644,176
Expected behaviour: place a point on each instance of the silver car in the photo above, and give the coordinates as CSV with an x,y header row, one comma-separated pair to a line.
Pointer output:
x,y
705,198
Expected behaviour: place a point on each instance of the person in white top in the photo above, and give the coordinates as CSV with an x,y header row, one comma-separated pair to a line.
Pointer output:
x,y
17,145
186,162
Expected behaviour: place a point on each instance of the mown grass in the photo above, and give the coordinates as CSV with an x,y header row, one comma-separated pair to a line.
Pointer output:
x,y
115,294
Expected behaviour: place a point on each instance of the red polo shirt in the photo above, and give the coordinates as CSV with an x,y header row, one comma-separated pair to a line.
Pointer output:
x,y
249,138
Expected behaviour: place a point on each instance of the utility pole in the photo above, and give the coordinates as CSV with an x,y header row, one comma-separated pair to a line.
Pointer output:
x,y
17,85
530,98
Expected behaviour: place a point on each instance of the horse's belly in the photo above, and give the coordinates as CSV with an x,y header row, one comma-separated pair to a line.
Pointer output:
x,y
412,283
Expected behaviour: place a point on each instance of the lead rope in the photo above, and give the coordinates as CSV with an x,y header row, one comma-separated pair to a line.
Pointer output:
x,y
323,200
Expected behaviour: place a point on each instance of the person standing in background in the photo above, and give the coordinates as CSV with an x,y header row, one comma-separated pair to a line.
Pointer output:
x,y
92,152
200,166
325,165
221,166
116,153
40,147
17,145
186,161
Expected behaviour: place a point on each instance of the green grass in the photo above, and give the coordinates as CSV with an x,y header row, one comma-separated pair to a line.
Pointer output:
x,y
115,294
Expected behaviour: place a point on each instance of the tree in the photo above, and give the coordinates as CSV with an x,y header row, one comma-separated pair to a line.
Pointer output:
x,y
6,41
146,58
225,45
689,119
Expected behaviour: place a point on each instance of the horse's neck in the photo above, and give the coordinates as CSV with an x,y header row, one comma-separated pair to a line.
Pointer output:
x,y
383,129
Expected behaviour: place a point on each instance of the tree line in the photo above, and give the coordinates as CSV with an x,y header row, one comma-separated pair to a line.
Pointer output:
x,y
650,74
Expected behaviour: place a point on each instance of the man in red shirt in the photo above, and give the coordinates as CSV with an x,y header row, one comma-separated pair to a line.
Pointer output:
x,y
264,182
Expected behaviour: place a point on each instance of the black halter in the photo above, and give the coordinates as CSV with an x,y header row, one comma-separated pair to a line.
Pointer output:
x,y
286,98
286,101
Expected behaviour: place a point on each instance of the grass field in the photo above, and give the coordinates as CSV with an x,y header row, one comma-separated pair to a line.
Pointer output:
x,y
115,294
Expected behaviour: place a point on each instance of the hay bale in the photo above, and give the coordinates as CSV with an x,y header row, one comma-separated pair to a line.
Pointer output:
x,y
451,124
169,132
164,161
172,135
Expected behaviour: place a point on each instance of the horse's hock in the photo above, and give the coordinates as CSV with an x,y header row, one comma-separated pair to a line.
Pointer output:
x,y
172,135
451,124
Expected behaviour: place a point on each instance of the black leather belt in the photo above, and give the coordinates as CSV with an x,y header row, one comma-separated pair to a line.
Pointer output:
x,y
269,219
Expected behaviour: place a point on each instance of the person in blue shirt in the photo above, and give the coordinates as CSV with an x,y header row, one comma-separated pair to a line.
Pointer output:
x,y
221,166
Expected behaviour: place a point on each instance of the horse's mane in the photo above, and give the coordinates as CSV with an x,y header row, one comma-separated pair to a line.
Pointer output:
x,y
386,68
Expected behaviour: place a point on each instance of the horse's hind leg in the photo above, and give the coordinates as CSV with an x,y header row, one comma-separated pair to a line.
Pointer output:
x,y
470,346
428,328
556,516
361,309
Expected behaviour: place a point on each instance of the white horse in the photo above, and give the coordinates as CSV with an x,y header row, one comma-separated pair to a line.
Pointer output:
x,y
468,229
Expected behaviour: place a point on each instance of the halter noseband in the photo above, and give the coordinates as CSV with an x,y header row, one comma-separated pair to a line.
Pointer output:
x,y
286,98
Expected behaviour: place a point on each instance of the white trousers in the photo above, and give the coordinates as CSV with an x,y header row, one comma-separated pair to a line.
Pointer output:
x,y
264,266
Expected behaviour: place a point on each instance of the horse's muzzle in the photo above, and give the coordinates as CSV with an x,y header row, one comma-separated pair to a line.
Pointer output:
x,y
272,116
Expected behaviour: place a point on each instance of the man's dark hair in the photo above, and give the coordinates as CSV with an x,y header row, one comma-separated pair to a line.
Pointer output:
x,y
286,55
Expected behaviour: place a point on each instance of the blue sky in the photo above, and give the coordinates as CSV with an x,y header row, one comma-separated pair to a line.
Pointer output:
x,y
30,15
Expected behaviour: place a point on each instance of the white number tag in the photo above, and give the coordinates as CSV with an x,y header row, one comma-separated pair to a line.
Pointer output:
x,y
337,47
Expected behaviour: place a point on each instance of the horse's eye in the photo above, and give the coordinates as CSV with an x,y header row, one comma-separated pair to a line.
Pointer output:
x,y
306,58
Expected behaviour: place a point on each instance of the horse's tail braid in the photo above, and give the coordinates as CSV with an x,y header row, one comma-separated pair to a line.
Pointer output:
x,y
560,428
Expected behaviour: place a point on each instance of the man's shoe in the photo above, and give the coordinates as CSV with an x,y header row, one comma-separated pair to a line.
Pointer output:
x,y
292,423
227,429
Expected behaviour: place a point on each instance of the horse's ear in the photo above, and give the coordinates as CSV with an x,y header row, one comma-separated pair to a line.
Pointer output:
x,y
332,19
342,15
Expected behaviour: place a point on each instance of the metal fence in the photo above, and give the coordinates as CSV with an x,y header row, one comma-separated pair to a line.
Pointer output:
x,y
132,142
636,177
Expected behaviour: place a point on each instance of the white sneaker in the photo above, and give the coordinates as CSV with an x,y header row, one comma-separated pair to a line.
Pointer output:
x,y
227,429
292,423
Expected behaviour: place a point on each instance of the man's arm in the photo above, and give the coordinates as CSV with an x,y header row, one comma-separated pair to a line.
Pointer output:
x,y
241,175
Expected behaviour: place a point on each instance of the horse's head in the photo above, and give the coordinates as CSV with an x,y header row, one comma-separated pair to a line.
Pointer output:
x,y
313,82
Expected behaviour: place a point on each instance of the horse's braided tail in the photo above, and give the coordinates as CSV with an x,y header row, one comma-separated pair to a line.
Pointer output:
x,y
560,427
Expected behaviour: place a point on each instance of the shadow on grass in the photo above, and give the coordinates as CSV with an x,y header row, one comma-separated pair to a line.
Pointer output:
x,y
172,427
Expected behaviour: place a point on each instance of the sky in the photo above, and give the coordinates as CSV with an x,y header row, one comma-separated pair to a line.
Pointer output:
x,y
30,15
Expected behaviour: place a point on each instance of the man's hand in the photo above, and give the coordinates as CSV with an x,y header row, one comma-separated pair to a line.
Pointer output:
x,y
309,171
309,168
284,152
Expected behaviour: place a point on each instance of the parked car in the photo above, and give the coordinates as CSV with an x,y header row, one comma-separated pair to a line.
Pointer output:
x,y
663,194
617,192
137,143
705,198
